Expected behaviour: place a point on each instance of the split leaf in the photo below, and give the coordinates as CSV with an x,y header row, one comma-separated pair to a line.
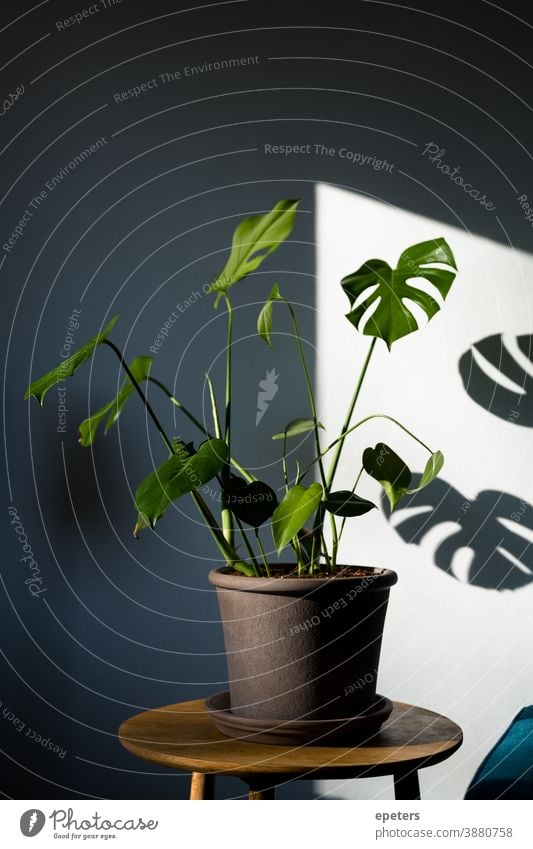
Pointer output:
x,y
68,367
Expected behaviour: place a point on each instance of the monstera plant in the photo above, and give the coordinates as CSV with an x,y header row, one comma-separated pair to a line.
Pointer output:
x,y
246,500
306,513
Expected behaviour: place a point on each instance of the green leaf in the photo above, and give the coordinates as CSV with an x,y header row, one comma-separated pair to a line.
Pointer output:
x,y
433,467
40,387
253,240
181,473
264,320
293,512
389,469
296,427
377,282
140,368
346,503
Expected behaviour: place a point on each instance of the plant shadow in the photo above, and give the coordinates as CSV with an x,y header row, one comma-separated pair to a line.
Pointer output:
x,y
496,527
494,377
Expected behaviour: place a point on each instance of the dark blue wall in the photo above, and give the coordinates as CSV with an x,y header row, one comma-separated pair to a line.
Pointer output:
x,y
125,625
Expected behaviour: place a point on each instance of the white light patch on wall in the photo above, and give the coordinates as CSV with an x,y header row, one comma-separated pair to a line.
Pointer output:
x,y
452,644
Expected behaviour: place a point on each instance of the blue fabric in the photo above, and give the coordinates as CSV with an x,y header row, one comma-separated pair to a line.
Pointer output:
x,y
507,771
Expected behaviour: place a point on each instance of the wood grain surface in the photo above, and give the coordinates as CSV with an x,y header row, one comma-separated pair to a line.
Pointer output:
x,y
183,736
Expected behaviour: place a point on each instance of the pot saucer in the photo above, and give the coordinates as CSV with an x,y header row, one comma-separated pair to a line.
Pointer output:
x,y
353,730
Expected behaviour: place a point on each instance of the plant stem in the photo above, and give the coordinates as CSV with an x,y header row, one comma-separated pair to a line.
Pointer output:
x,y
225,549
362,422
284,463
248,547
400,425
180,406
299,556
262,550
389,419
335,542
340,443
354,487
320,512
141,394
325,552
228,370
313,547
177,403
227,521
346,425
214,408
228,552
310,393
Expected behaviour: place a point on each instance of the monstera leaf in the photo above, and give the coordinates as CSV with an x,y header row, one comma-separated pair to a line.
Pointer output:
x,y
181,473
140,368
376,282
483,541
253,240
68,367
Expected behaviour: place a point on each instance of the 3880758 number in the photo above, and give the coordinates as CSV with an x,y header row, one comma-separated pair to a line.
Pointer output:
x,y
486,831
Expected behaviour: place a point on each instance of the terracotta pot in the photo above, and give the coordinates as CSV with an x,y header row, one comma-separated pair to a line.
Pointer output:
x,y
303,648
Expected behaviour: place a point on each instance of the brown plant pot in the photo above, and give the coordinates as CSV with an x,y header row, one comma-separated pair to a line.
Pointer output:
x,y
303,648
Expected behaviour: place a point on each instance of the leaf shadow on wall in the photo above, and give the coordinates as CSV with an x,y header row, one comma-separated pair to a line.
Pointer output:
x,y
497,373
495,527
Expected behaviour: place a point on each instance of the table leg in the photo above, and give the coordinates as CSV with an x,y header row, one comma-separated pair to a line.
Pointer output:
x,y
202,785
261,790
406,785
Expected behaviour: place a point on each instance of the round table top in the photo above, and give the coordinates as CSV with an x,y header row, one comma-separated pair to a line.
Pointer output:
x,y
184,736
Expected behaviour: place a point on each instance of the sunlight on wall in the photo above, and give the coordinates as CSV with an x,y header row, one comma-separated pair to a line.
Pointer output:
x,y
456,641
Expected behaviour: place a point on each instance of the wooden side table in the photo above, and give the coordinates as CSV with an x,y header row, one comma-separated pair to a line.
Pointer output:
x,y
184,737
